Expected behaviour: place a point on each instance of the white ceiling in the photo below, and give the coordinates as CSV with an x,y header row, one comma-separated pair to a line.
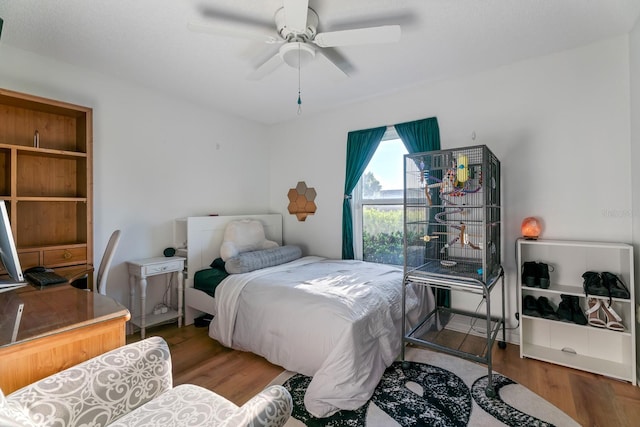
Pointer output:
x,y
147,42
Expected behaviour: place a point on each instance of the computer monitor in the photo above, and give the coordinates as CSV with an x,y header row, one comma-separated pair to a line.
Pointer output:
x,y
8,252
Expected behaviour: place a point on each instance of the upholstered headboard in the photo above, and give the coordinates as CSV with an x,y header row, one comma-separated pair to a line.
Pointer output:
x,y
203,235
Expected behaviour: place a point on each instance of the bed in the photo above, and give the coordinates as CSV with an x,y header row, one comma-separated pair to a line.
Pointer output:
x,y
198,239
338,321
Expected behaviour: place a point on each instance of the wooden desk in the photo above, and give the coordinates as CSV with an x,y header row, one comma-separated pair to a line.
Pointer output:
x,y
61,326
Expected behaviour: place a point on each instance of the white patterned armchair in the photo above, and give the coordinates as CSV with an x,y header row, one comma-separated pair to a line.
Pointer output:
x,y
133,386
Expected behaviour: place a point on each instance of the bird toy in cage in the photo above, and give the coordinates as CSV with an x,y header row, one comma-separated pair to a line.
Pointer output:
x,y
445,185
460,235
424,177
462,172
450,184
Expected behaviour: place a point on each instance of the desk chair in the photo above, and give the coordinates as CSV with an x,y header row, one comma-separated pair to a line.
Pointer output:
x,y
103,271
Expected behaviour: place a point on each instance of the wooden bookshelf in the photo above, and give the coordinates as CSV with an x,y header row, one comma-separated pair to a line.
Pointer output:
x,y
46,170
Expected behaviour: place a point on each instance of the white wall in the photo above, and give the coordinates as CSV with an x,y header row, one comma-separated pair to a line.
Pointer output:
x,y
559,125
155,158
634,60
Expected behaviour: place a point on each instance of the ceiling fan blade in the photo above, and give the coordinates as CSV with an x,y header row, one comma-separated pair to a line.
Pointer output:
x,y
218,14
261,36
358,36
338,72
267,68
295,15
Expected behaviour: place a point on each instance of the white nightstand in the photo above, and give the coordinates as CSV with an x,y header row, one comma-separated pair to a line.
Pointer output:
x,y
139,270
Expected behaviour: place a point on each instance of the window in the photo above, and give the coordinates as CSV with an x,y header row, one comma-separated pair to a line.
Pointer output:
x,y
378,204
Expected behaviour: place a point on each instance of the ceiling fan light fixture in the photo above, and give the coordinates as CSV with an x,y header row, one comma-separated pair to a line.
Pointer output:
x,y
297,54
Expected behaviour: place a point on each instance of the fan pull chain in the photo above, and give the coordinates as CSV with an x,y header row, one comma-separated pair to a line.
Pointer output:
x,y
299,97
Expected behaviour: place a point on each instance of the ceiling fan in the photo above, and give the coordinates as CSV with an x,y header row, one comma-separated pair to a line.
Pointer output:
x,y
296,27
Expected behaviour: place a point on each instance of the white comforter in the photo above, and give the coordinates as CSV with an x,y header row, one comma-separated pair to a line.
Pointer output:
x,y
337,321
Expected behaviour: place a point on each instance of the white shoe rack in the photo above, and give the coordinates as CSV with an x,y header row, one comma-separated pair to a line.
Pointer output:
x,y
588,348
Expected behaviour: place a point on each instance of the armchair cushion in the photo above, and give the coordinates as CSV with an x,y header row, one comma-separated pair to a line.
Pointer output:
x,y
191,405
185,405
270,408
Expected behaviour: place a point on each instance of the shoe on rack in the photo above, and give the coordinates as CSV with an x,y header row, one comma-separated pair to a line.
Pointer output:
x,y
593,313
545,309
577,316
616,288
530,306
564,309
530,274
612,319
543,275
593,284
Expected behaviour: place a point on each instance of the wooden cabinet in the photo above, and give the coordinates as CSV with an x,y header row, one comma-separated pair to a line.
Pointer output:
x,y
46,179
598,350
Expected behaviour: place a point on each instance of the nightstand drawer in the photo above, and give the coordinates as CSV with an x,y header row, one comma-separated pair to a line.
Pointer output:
x,y
150,270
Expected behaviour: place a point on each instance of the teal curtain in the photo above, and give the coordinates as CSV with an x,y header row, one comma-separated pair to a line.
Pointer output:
x,y
420,136
361,145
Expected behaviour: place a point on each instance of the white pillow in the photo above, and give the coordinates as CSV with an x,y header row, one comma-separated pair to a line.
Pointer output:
x,y
243,236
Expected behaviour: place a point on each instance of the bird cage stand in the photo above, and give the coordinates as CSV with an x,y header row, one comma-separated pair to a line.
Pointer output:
x,y
452,243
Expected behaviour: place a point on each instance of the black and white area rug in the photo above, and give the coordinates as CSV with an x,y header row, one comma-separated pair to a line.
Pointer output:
x,y
435,390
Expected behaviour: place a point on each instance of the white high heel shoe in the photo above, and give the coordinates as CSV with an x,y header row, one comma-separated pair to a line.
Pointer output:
x,y
612,319
593,313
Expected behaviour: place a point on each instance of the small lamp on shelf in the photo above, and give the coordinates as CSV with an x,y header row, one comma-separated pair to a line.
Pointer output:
x,y
531,228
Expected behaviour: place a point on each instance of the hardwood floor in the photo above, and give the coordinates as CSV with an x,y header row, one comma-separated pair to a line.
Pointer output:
x,y
592,400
